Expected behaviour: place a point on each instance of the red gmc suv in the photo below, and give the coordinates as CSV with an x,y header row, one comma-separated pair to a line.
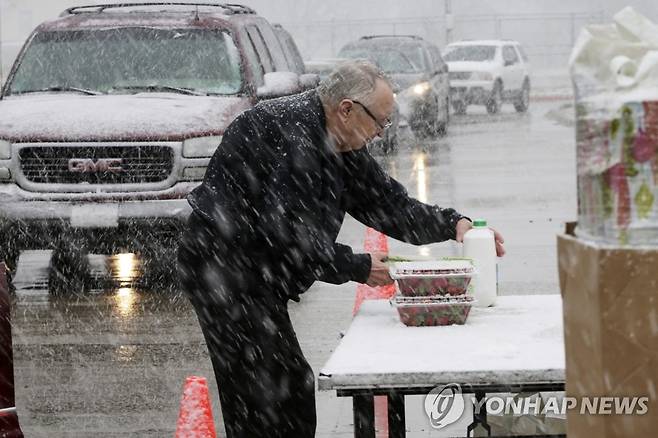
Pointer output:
x,y
111,113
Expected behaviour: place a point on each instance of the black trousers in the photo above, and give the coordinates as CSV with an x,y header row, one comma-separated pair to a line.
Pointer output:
x,y
266,386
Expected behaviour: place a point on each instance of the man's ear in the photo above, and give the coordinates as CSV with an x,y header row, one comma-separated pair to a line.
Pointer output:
x,y
345,107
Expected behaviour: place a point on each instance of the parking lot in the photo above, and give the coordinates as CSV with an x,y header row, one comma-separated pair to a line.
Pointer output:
x,y
112,363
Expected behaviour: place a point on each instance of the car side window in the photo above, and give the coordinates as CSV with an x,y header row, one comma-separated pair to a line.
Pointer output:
x,y
522,53
273,45
509,55
252,58
291,52
261,49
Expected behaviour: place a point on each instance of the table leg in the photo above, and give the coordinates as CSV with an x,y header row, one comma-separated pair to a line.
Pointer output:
x,y
396,420
364,416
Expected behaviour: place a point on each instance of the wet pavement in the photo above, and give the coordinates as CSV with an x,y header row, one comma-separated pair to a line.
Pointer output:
x,y
112,362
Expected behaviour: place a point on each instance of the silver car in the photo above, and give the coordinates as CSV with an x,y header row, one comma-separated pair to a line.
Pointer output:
x,y
421,78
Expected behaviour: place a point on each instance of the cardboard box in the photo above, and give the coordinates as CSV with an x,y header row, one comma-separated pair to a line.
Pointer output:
x,y
610,299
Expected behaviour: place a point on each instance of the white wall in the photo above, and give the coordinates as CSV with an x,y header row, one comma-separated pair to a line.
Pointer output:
x,y
321,27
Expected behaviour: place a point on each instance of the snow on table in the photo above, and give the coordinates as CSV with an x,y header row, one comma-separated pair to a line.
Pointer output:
x,y
520,340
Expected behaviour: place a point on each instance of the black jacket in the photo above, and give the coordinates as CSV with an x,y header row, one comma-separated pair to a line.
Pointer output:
x,y
275,194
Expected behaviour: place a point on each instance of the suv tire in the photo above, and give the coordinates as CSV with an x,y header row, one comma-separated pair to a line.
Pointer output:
x,y
159,266
459,107
496,99
442,127
433,127
522,102
69,272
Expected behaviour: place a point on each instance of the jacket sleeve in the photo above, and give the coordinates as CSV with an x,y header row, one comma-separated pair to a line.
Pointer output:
x,y
379,201
345,266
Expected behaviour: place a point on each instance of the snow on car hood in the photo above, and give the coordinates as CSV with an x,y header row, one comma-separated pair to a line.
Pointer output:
x,y
471,66
145,116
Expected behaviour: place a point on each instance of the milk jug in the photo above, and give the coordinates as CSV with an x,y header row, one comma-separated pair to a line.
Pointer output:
x,y
479,245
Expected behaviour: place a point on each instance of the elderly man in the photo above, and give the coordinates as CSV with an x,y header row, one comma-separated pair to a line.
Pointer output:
x,y
264,228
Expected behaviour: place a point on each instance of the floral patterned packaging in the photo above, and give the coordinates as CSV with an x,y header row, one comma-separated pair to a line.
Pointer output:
x,y
618,171
614,69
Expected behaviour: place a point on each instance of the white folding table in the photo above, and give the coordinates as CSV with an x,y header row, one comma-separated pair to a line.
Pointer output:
x,y
515,346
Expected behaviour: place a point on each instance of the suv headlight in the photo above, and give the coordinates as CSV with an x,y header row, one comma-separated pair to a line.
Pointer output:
x,y
201,147
5,150
422,88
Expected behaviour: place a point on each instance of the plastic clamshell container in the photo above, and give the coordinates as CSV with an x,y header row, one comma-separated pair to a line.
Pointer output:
x,y
430,278
433,311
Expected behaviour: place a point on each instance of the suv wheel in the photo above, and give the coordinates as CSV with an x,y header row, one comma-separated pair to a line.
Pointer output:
x,y
159,266
496,99
425,128
69,272
9,254
459,107
522,102
442,127
434,127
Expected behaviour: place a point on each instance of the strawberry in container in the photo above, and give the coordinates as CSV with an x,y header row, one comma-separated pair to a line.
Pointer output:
x,y
433,311
432,278
433,293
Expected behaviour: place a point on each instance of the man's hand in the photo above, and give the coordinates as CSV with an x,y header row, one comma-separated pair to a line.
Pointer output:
x,y
464,225
379,274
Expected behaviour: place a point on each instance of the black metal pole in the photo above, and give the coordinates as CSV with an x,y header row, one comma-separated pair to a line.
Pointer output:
x,y
364,415
396,419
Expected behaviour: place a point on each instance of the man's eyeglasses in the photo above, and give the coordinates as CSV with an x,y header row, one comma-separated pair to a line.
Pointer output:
x,y
387,123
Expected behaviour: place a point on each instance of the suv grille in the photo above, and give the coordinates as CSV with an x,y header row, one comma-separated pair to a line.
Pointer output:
x,y
459,75
96,165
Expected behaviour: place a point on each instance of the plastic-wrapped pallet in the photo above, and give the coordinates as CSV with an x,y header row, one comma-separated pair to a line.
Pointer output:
x,y
614,70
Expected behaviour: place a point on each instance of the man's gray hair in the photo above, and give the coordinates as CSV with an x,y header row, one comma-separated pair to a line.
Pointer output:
x,y
351,80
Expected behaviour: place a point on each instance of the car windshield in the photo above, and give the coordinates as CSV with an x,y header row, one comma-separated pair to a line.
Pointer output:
x,y
130,60
470,53
391,59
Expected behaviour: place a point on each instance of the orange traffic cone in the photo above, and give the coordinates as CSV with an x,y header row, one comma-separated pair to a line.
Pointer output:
x,y
374,242
195,417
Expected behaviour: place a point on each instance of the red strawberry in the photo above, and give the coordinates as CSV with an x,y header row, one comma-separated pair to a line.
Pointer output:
x,y
440,284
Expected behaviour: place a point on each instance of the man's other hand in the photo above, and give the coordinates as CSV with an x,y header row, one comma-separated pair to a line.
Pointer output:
x,y
379,274
464,225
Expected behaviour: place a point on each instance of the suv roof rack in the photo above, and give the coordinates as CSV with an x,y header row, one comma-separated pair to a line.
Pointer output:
x,y
228,8
370,37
